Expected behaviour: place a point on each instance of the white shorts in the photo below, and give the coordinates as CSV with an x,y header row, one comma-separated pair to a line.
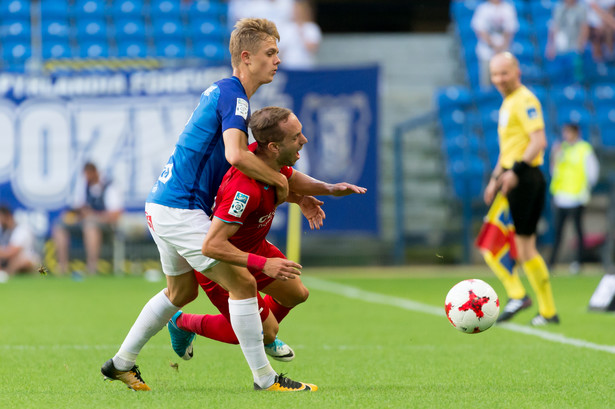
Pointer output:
x,y
179,235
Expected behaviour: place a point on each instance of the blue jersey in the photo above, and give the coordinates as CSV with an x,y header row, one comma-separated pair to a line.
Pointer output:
x,y
195,170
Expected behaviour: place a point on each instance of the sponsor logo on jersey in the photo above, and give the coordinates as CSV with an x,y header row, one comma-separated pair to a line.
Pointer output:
x,y
239,204
241,108
532,112
166,174
264,220
503,119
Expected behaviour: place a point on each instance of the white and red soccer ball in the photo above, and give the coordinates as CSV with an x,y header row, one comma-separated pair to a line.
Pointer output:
x,y
472,306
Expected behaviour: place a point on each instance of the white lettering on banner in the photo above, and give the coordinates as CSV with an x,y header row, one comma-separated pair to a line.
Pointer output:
x,y
338,129
128,139
43,151
7,139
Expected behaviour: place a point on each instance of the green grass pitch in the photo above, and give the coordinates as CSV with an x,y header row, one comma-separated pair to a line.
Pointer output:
x,y
357,338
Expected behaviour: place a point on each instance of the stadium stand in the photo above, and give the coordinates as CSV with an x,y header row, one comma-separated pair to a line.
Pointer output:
x,y
75,31
578,90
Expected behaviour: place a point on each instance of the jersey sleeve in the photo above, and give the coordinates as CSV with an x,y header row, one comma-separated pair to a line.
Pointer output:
x,y
233,109
530,115
287,171
238,200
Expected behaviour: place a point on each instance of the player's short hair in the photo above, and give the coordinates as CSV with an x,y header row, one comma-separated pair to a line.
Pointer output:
x,y
248,34
265,124
90,166
5,210
572,126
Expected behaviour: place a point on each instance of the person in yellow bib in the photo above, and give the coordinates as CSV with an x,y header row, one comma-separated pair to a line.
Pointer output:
x,y
522,140
575,170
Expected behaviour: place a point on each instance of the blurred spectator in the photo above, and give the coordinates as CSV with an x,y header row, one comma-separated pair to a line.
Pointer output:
x,y
17,246
278,11
600,34
569,30
300,38
575,171
495,24
96,210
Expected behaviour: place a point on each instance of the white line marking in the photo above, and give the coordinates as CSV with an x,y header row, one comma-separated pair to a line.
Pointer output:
x,y
376,298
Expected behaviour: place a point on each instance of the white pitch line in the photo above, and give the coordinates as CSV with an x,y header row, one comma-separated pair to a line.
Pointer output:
x,y
376,298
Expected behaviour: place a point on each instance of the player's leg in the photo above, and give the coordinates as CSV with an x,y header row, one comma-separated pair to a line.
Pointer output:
x,y
92,241
178,235
61,241
577,217
20,263
560,219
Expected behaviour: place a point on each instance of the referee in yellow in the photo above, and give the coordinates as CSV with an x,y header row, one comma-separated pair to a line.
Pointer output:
x,y
522,140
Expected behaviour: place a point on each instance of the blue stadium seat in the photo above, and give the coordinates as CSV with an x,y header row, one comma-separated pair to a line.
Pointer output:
x,y
168,29
602,93
207,9
88,9
130,28
542,8
607,135
15,31
121,9
605,114
16,51
467,176
165,8
55,29
452,120
91,29
570,96
132,49
57,48
15,9
213,52
524,50
94,49
170,49
453,97
207,30
463,10
53,9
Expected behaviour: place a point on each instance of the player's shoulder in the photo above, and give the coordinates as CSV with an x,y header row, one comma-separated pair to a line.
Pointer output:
x,y
235,180
231,87
525,97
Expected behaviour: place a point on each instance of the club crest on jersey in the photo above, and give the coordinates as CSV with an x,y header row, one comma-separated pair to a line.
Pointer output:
x,y
166,174
239,204
532,112
241,108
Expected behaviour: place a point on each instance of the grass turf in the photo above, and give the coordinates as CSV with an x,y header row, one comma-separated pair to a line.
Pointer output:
x,y
56,333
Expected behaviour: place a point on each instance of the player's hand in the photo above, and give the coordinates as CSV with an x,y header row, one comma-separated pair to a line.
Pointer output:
x,y
281,191
509,181
345,189
311,209
490,191
282,269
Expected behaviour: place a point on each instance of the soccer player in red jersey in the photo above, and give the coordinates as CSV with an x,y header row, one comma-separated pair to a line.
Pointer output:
x,y
241,221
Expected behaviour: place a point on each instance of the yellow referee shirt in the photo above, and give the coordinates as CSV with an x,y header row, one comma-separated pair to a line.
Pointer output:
x,y
520,115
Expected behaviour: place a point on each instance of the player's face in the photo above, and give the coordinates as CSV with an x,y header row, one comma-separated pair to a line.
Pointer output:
x,y
292,143
264,62
504,75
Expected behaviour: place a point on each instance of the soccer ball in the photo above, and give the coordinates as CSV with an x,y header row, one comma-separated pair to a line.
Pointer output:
x,y
472,306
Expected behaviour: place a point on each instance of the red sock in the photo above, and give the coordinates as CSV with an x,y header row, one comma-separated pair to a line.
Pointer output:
x,y
215,327
279,311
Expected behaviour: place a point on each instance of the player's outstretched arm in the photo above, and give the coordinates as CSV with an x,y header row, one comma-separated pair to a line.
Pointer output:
x,y
306,185
217,246
238,155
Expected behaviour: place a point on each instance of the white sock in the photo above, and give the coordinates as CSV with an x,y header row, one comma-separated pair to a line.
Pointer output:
x,y
154,316
246,323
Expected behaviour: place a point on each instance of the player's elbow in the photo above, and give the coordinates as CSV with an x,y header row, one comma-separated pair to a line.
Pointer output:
x,y
234,157
208,250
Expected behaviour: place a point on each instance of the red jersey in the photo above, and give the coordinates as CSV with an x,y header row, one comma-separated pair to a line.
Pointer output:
x,y
247,202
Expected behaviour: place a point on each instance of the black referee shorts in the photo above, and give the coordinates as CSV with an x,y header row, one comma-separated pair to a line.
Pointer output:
x,y
527,200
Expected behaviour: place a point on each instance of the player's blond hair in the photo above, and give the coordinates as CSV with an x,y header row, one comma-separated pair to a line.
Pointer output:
x,y
248,34
265,124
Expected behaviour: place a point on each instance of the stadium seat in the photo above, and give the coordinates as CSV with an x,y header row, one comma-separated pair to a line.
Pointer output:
x,y
15,9
453,97
167,28
607,135
452,121
132,49
16,52
91,29
53,9
207,10
207,30
133,28
15,30
463,10
121,9
602,93
524,50
170,49
55,29
169,9
88,9
571,96
94,49
213,52
56,49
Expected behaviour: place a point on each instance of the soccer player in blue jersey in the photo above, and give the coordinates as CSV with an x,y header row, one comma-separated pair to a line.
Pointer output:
x,y
179,207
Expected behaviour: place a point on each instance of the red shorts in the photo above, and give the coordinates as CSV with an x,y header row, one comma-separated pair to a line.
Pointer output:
x,y
219,296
